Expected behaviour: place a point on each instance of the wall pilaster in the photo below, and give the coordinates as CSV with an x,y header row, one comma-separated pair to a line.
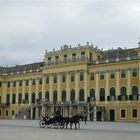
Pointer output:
x,y
43,87
128,82
68,86
97,86
59,92
51,87
86,84
117,82
77,86
107,91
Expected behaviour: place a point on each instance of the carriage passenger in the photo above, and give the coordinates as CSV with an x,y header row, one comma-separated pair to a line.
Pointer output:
x,y
47,117
52,116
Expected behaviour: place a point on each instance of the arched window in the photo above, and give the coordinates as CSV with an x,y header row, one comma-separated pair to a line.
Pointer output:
x,y
92,94
19,98
55,97
47,96
134,90
63,96
13,98
40,96
81,95
135,93
8,99
72,95
112,94
26,98
123,93
81,76
102,94
33,97
123,90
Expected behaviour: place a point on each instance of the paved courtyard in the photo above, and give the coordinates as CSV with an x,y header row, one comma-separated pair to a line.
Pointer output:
x,y
30,130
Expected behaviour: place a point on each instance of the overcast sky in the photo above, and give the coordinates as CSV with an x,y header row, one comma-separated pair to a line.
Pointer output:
x,y
29,27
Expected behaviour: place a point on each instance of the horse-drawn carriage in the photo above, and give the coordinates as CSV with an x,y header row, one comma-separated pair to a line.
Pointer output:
x,y
57,121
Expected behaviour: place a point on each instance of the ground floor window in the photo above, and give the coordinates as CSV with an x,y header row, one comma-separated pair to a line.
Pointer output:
x,y
0,112
7,112
134,113
13,112
123,113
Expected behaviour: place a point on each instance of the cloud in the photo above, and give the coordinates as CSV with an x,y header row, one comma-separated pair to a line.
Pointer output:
x,y
28,28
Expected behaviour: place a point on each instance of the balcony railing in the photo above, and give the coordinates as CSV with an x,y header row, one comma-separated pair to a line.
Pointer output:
x,y
111,98
122,97
39,101
133,97
82,58
74,59
3,104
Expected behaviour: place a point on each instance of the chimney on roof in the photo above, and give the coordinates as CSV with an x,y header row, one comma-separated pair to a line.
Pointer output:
x,y
53,49
87,43
117,57
139,44
128,55
96,48
107,60
70,46
78,45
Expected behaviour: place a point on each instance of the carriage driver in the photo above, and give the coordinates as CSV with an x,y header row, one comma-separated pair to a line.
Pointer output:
x,y
58,113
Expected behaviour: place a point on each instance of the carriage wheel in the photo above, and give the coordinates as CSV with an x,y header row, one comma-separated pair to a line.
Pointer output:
x,y
49,125
42,123
55,125
61,125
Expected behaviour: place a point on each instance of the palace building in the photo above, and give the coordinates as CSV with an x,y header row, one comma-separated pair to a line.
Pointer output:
x,y
83,79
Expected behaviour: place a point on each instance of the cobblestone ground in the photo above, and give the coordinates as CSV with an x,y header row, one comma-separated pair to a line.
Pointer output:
x,y
30,130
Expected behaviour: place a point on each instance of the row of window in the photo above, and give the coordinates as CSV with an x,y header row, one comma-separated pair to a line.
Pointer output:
x,y
123,113
101,75
65,58
22,99
26,82
7,113
111,97
134,72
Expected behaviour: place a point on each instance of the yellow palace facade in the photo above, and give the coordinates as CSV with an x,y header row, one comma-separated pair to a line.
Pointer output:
x,y
84,79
